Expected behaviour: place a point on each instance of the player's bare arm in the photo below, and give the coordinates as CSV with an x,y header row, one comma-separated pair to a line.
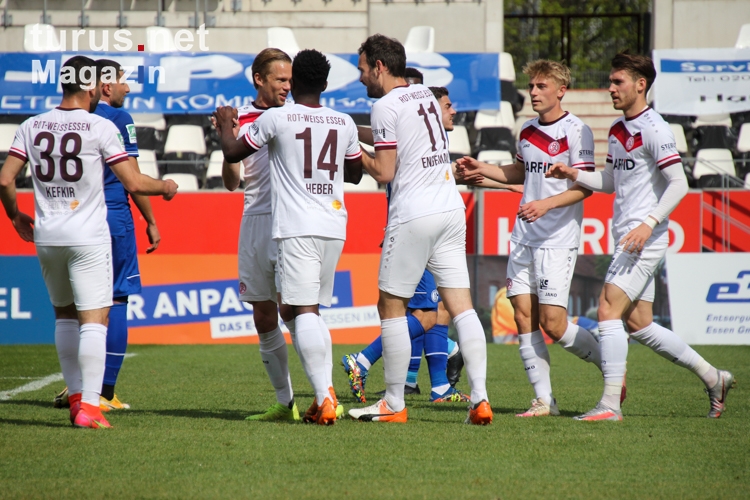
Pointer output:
x,y
353,171
382,167
533,210
507,174
234,150
230,172
365,135
23,223
144,207
562,171
137,183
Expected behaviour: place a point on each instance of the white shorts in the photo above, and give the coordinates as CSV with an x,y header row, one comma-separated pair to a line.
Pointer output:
x,y
80,275
307,267
256,258
633,273
544,272
436,242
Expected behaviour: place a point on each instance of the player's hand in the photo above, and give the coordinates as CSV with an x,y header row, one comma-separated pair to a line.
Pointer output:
x,y
223,117
24,225
562,171
171,189
533,210
154,237
468,164
635,240
468,178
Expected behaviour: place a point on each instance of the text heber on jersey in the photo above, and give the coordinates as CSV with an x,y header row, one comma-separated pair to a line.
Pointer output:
x,y
316,188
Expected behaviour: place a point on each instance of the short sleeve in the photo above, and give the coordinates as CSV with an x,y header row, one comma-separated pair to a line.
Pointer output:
x,y
383,119
260,131
127,129
112,145
662,146
353,151
581,143
18,148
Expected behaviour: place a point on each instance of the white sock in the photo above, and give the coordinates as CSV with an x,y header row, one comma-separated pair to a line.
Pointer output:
x,y
290,325
67,339
275,358
669,345
312,350
362,360
613,342
329,349
535,357
474,350
92,353
582,343
394,333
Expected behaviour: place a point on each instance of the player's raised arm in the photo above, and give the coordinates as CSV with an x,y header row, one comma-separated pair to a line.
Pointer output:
x,y
234,150
21,221
230,172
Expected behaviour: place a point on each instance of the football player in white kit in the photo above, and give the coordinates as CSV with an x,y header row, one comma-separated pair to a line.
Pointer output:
x,y
67,148
272,75
544,251
311,149
426,226
645,171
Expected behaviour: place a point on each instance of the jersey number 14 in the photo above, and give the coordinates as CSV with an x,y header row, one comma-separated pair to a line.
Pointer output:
x,y
328,150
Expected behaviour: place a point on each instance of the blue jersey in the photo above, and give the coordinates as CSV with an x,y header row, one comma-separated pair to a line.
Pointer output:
x,y
127,278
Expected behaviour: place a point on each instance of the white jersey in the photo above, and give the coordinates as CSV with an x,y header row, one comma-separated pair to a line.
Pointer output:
x,y
567,140
256,174
307,148
409,120
66,151
639,148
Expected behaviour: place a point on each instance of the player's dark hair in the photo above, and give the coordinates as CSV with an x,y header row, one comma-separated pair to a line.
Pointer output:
x,y
78,63
439,92
389,51
637,65
310,71
414,73
262,62
109,66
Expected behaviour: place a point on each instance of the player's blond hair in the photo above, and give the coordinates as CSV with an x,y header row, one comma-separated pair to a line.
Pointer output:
x,y
549,69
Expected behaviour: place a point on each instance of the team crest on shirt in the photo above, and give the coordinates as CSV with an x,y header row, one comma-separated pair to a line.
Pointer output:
x,y
435,296
243,288
508,283
553,148
629,143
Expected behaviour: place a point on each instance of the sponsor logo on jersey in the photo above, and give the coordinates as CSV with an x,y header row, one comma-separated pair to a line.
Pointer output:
x,y
623,164
131,133
336,204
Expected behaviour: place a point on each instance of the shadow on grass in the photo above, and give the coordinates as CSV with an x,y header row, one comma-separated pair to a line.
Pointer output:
x,y
35,423
30,402
218,414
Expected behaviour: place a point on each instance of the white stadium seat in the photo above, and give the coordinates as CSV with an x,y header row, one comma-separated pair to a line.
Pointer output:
x,y
496,157
712,162
743,141
159,40
7,133
283,39
186,183
147,163
715,120
743,38
458,141
215,162
679,137
150,120
46,38
496,118
185,139
367,184
507,69
747,181
420,39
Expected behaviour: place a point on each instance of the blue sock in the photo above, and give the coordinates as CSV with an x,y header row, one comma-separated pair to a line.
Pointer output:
x,y
416,332
451,345
117,342
436,351
372,352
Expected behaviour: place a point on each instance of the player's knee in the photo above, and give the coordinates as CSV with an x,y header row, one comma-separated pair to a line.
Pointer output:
x,y
265,318
554,327
286,312
522,319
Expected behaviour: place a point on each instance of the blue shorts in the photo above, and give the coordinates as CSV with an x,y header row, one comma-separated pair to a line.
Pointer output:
x,y
127,276
426,295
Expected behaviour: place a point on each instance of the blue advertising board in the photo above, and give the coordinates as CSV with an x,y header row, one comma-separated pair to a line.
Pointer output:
x,y
26,314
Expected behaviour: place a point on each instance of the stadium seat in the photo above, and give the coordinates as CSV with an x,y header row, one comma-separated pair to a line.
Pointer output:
x,y
495,139
685,121
213,174
186,183
284,39
151,120
715,120
495,118
47,40
7,133
150,131
367,184
185,150
713,162
147,163
747,181
679,137
420,39
509,93
458,142
743,38
159,40
743,140
495,157
507,68
713,137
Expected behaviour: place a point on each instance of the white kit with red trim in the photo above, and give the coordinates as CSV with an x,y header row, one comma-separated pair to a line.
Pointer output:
x,y
307,149
639,147
66,151
409,120
566,140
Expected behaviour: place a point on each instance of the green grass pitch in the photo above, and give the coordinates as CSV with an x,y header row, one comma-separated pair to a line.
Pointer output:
x,y
186,437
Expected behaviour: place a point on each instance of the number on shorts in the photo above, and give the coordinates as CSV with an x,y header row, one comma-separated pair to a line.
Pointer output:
x,y
65,157
328,150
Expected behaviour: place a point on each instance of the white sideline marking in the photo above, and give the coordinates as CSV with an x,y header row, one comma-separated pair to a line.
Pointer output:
x,y
38,383
31,386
